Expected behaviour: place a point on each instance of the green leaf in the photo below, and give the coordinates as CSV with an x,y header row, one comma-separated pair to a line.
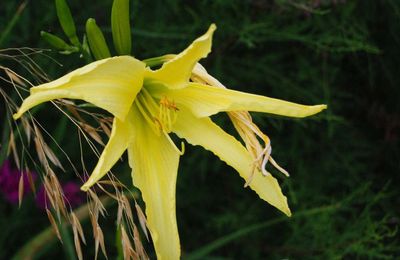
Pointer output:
x,y
66,21
121,30
96,40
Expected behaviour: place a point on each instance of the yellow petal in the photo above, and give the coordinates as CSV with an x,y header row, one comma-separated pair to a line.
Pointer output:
x,y
155,165
176,72
203,132
121,135
111,84
204,101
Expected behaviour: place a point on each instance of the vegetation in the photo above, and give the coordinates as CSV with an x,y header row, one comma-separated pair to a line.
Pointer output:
x,y
344,162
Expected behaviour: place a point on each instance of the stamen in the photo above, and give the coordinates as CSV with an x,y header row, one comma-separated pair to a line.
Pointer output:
x,y
248,131
144,110
161,116
276,165
167,114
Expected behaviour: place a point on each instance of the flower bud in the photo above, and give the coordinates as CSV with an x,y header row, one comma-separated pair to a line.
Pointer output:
x,y
66,21
97,43
57,43
120,26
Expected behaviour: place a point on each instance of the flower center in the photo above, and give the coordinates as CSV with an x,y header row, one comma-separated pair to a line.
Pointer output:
x,y
161,115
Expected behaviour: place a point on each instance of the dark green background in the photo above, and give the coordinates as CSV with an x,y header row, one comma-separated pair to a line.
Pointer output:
x,y
344,163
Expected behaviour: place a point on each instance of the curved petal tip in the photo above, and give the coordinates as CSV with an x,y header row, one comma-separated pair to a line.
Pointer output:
x,y
85,187
17,115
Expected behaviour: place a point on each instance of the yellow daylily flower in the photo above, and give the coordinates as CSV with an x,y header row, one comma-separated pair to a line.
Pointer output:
x,y
148,105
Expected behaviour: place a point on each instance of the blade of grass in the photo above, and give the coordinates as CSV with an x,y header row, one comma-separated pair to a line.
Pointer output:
x,y
12,23
68,244
5,139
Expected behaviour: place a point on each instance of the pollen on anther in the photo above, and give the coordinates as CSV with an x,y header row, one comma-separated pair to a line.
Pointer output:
x,y
167,114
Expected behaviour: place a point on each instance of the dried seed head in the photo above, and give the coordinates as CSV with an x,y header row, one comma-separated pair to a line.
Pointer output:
x,y
12,148
105,127
40,151
53,224
138,244
58,194
27,129
77,243
98,206
99,240
77,225
142,220
127,209
49,192
31,180
44,151
91,131
20,189
127,249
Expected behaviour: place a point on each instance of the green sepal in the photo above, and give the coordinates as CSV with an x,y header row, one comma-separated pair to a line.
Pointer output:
x,y
66,21
58,43
96,39
120,26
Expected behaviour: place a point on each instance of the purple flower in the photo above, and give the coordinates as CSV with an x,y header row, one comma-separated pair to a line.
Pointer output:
x,y
73,196
9,182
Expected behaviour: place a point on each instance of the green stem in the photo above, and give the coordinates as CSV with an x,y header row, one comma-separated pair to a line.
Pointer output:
x,y
118,243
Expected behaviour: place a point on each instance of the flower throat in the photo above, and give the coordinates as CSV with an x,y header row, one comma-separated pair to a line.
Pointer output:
x,y
160,115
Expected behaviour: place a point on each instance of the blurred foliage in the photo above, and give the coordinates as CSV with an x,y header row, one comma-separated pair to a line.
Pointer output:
x,y
342,53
